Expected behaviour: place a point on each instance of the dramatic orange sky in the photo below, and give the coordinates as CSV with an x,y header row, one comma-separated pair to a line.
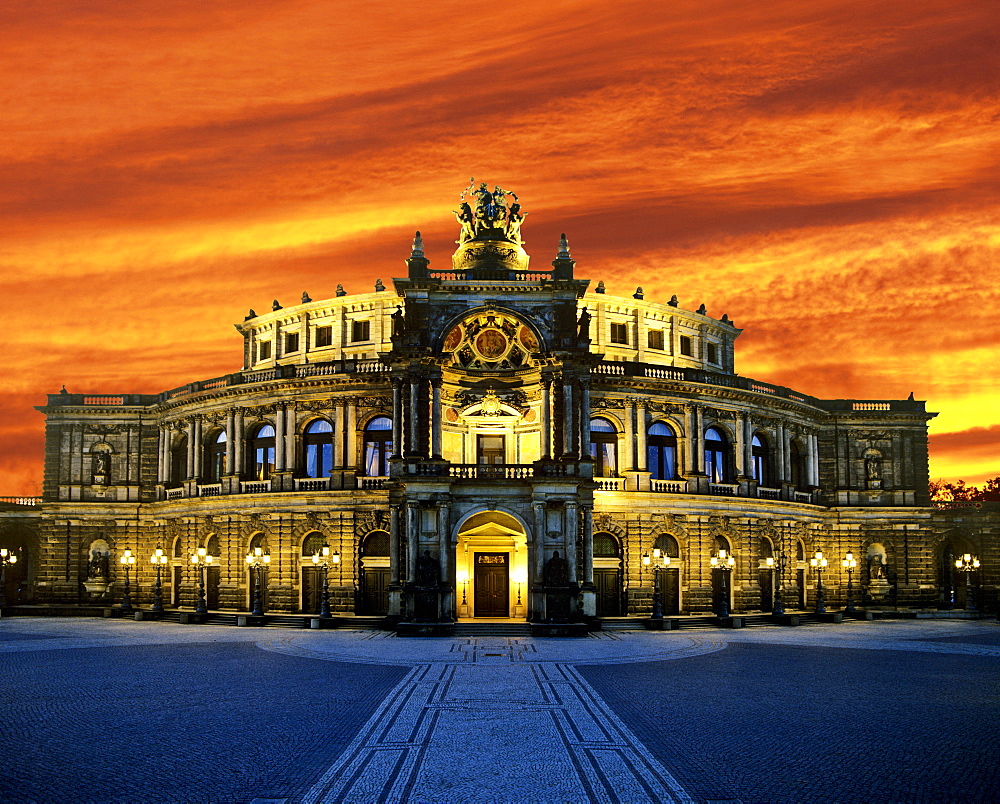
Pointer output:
x,y
825,172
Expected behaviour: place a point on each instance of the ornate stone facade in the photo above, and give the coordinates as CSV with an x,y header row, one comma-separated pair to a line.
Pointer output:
x,y
490,425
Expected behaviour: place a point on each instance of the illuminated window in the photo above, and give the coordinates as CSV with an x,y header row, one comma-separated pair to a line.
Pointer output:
x,y
654,339
619,333
215,458
716,456
661,449
378,446
178,461
261,453
686,347
318,443
604,448
360,331
291,342
324,336
760,457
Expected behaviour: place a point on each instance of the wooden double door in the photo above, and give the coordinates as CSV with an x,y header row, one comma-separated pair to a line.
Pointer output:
x,y
492,585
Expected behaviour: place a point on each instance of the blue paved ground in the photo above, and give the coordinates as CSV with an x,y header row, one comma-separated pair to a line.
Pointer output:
x,y
769,723
184,723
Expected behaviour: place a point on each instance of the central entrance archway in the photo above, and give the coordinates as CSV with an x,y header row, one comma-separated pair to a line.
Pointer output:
x,y
491,567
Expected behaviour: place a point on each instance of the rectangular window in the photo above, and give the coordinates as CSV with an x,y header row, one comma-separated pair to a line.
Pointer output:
x,y
655,338
619,333
291,342
713,353
686,345
360,331
264,350
324,336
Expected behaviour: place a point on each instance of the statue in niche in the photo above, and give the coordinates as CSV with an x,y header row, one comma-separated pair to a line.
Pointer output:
x,y
100,466
583,332
556,571
398,323
876,567
428,570
873,468
97,567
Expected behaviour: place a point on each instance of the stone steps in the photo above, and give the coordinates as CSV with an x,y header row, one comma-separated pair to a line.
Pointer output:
x,y
492,629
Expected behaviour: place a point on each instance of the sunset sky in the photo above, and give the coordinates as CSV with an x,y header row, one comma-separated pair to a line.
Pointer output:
x,y
825,172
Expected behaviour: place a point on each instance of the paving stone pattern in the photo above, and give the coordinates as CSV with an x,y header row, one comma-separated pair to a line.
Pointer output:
x,y
118,711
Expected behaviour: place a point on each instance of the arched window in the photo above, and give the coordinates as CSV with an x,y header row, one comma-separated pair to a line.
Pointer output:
x,y
212,546
215,458
667,545
313,544
716,456
795,460
375,544
378,446
605,546
260,456
661,448
760,457
178,461
178,547
318,442
604,448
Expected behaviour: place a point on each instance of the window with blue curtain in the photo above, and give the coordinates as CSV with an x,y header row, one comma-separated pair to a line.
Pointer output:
x,y
318,443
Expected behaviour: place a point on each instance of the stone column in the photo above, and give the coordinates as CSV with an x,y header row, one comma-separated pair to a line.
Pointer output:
x,y
782,456
397,417
546,420
162,466
445,559
279,438
436,418
537,566
640,431
395,589
192,437
739,448
584,417
413,447
569,443
351,435
413,540
690,440
628,458
589,590
237,438
339,434
813,459
290,436
230,442
571,529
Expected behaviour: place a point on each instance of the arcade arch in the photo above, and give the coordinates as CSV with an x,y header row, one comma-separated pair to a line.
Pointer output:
x,y
491,566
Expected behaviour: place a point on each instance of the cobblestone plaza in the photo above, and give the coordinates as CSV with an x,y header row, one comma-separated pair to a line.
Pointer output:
x,y
124,711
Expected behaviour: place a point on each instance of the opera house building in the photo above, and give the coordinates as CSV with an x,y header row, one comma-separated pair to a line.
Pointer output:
x,y
492,439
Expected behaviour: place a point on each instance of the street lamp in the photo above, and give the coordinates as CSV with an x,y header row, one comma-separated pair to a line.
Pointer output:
x,y
257,559
819,563
778,606
520,577
658,561
967,564
327,559
158,559
849,563
725,563
201,561
127,560
6,557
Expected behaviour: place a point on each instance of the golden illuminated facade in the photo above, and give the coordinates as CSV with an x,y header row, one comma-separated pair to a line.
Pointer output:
x,y
488,440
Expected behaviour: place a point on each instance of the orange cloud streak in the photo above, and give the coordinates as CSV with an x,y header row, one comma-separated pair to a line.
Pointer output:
x,y
826,173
